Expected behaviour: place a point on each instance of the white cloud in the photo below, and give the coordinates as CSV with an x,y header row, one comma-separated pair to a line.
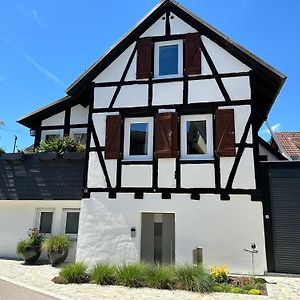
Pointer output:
x,y
31,60
273,127
32,15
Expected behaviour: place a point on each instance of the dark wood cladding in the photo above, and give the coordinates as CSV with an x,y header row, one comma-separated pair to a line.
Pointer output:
x,y
166,128
41,176
113,137
225,133
144,59
193,54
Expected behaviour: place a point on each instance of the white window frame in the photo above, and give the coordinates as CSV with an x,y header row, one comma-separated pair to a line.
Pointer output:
x,y
59,132
74,131
127,123
157,45
39,212
64,221
209,136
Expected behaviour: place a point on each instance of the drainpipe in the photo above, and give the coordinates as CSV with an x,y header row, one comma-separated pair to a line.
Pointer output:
x,y
281,149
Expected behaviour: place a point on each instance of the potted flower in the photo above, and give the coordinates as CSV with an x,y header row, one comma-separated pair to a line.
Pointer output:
x,y
57,248
30,249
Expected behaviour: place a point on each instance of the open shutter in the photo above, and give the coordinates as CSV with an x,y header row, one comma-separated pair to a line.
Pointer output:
x,y
166,135
225,134
144,59
193,54
113,137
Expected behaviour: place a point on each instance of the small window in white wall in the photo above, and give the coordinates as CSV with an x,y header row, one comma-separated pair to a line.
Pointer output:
x,y
80,138
196,137
138,139
168,59
71,221
45,220
50,137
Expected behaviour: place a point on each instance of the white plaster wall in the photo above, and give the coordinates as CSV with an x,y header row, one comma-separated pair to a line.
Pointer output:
x,y
96,178
103,96
215,225
238,88
264,151
79,114
17,217
197,176
131,75
136,176
132,96
157,29
205,90
166,172
57,119
224,62
180,27
167,93
245,175
111,167
115,70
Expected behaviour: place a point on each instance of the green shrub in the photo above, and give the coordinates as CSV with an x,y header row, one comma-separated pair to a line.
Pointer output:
x,y
193,278
237,290
59,145
133,275
104,274
254,292
217,288
57,243
259,280
34,239
75,273
248,287
161,277
2,151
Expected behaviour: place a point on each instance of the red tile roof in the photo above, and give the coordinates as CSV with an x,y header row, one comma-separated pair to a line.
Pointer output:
x,y
290,142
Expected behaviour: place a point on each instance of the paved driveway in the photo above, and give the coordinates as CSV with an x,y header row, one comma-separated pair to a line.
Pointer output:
x,y
9,291
39,278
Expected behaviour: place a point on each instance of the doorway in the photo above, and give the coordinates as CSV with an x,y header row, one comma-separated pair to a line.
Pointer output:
x,y
158,238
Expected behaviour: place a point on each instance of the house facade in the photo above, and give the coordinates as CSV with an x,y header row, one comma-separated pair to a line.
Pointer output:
x,y
171,115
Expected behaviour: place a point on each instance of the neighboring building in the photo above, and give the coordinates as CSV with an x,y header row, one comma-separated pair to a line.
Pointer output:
x,y
287,143
171,115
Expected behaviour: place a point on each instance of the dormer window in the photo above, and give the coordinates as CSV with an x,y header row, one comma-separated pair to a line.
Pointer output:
x,y
168,59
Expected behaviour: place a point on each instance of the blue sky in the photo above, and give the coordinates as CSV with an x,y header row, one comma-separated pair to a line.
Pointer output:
x,y
45,45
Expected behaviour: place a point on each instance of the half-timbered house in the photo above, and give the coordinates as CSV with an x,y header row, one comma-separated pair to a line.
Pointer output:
x,y
172,113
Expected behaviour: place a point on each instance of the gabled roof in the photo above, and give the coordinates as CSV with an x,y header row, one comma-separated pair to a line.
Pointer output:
x,y
290,142
267,79
275,152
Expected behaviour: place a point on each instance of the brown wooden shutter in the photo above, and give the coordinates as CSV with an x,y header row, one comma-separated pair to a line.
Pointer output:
x,y
166,135
144,59
193,54
225,133
113,137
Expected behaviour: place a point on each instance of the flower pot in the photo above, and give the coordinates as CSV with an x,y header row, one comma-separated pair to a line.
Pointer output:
x,y
57,257
32,254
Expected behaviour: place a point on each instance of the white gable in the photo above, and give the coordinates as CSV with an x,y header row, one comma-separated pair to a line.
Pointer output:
x,y
180,27
224,62
157,29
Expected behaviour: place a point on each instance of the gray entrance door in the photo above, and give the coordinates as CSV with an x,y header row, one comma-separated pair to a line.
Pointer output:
x,y
158,238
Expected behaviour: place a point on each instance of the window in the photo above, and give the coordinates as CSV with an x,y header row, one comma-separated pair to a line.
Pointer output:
x,y
196,137
138,139
50,137
45,220
168,58
71,221
80,138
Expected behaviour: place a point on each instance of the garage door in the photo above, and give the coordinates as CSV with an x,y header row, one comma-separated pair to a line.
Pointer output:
x,y
285,206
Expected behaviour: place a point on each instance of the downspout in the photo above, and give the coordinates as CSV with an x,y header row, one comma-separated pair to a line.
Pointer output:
x,y
281,149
